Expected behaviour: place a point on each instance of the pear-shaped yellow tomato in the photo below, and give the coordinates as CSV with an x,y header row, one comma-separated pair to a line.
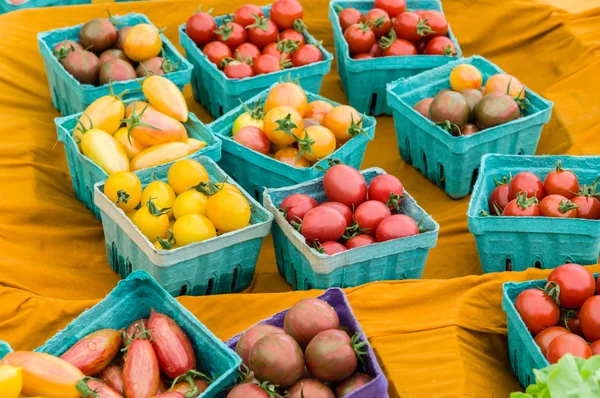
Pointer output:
x,y
195,144
318,143
165,97
465,76
281,124
317,110
228,210
124,189
344,122
104,114
104,150
142,42
151,127
138,105
290,156
189,202
250,118
287,94
505,84
193,228
130,144
161,193
11,381
152,221
185,174
161,154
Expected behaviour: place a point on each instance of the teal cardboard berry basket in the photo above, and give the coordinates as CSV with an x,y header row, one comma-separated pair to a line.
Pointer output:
x,y
518,243
224,264
6,6
305,268
132,299
219,94
4,349
364,81
69,96
453,162
254,171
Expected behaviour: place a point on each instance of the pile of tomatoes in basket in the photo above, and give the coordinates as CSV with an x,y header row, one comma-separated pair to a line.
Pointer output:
x,y
355,214
565,315
154,357
251,44
390,30
559,195
105,53
188,208
293,130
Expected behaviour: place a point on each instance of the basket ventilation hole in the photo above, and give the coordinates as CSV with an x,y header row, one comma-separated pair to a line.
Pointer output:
x,y
183,290
234,279
442,178
294,276
209,288
373,104
90,195
424,164
521,152
129,267
538,264
474,177
220,110
508,264
408,158
528,380
307,284
256,193
569,260
113,254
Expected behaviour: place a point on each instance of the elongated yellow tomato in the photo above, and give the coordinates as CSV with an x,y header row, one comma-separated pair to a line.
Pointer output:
x,y
193,228
104,114
251,118
151,127
318,143
138,105
142,42
161,193
124,189
185,174
189,202
228,210
196,144
160,154
152,221
281,124
165,97
287,94
45,375
11,381
105,151
130,144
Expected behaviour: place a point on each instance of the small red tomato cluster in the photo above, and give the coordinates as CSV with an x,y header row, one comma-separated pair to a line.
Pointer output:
x,y
278,360
354,215
560,195
250,44
565,315
389,30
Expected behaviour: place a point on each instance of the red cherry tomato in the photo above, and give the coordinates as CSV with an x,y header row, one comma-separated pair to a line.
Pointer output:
x,y
376,51
561,182
342,208
360,38
369,214
238,70
400,47
537,309
545,337
392,7
245,51
557,206
589,318
386,189
498,200
331,248
295,206
273,50
568,343
244,15
323,224
595,347
526,182
232,34
348,17
306,55
200,28
396,226
576,283
360,241
440,45
216,52
437,21
346,185
574,325
410,26
363,56
521,207
293,35
588,207
253,138
285,12
262,32
381,23
264,64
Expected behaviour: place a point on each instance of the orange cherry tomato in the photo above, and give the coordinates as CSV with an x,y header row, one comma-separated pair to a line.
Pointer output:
x,y
317,110
344,122
290,156
287,94
142,42
465,76
281,124
499,83
318,143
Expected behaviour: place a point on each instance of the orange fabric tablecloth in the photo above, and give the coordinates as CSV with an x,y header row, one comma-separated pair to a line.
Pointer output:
x,y
433,337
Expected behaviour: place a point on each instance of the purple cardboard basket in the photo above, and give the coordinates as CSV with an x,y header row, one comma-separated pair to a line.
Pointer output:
x,y
336,297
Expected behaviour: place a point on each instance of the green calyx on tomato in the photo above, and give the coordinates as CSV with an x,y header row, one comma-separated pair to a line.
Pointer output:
x,y
189,377
504,181
135,120
154,210
256,113
167,244
84,389
81,127
394,201
423,29
62,52
359,347
304,144
318,247
524,202
330,163
286,125
261,23
199,10
224,31
139,333
355,127
448,51
386,41
567,206
111,92
552,289
299,25
288,46
379,22
523,103
450,127
209,188
122,196
354,230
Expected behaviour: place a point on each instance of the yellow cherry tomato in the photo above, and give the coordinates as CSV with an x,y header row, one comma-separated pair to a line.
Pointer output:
x,y
193,228
226,185
104,150
161,193
165,97
189,202
505,84
228,210
290,156
287,94
151,222
160,154
104,114
124,189
279,125
166,244
465,76
318,143
11,381
344,122
158,246
131,146
318,110
142,42
185,174
252,117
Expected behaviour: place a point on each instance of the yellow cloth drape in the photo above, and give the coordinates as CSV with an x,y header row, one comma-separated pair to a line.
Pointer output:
x,y
434,338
